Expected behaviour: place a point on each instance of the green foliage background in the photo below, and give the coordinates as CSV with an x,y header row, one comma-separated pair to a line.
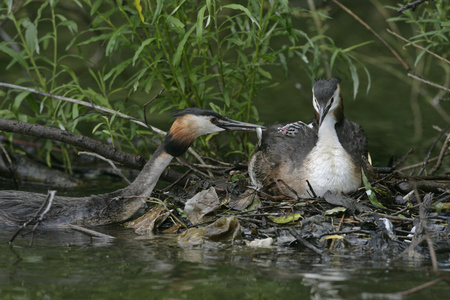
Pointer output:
x,y
212,54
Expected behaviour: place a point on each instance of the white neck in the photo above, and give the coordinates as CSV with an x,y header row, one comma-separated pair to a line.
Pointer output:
x,y
327,131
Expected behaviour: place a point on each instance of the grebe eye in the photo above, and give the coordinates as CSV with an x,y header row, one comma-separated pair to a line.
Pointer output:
x,y
213,120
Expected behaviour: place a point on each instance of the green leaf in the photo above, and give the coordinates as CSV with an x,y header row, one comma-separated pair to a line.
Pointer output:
x,y
354,74
177,56
335,210
115,37
33,105
31,36
95,6
71,25
180,78
285,219
9,4
117,70
369,79
75,111
15,55
141,48
264,73
176,22
96,127
245,10
370,192
333,57
356,46
101,37
199,25
159,7
18,100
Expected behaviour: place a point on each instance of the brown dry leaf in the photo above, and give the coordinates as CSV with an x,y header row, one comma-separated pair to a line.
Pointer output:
x,y
225,229
173,229
200,205
148,222
246,199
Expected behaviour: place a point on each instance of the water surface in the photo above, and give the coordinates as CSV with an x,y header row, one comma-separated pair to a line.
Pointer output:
x,y
64,264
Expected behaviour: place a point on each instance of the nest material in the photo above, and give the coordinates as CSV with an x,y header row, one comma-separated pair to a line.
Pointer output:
x,y
408,212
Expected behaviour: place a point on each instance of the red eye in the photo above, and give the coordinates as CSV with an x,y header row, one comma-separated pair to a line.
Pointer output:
x,y
213,120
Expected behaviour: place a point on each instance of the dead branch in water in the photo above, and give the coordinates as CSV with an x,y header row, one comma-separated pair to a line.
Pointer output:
x,y
37,218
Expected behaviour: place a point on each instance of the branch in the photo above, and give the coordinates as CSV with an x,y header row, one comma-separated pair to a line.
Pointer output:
x,y
94,106
116,170
304,242
405,65
10,166
136,162
37,218
418,46
429,82
97,107
425,161
90,232
412,5
441,155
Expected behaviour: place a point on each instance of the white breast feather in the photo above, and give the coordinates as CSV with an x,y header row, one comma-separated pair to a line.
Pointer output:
x,y
328,165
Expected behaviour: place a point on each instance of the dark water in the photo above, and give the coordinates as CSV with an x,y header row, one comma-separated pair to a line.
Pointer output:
x,y
64,264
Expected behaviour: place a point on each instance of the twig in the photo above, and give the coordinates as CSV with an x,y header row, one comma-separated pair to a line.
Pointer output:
x,y
303,241
404,209
90,232
405,65
97,107
418,46
38,217
441,155
116,170
217,161
414,244
311,189
397,218
429,82
167,188
425,161
276,180
212,167
338,229
186,164
402,159
424,208
10,166
50,197
419,164
84,103
420,287
151,100
345,232
169,210
412,5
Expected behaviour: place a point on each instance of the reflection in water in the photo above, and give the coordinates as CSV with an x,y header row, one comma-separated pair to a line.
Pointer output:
x,y
67,264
